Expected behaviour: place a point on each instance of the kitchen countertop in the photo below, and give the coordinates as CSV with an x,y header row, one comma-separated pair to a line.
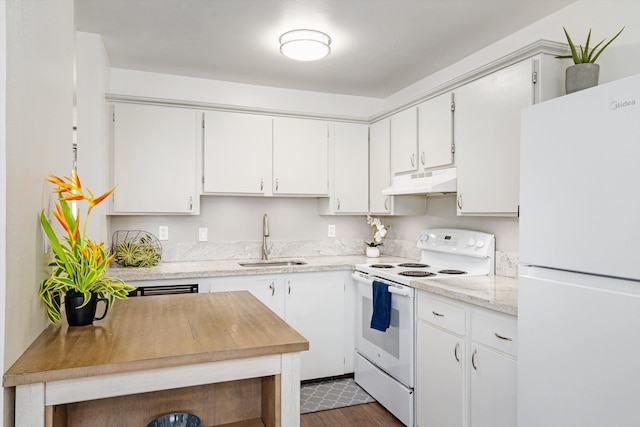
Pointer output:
x,y
231,267
497,293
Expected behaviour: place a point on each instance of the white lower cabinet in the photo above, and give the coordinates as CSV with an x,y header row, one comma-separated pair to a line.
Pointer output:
x,y
439,376
465,365
313,304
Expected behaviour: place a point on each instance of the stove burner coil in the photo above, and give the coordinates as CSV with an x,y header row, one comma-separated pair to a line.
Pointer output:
x,y
413,265
381,266
412,273
452,272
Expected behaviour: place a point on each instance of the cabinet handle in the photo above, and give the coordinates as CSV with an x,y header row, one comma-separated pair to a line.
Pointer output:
x,y
435,313
386,203
289,285
502,337
338,203
460,201
455,352
277,184
473,359
261,184
190,203
422,158
273,289
413,160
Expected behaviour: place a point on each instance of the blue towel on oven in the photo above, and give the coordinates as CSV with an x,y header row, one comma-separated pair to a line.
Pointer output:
x,y
381,316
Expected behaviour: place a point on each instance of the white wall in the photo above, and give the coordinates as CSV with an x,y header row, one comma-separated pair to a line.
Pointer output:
x,y
154,85
3,185
92,81
39,101
605,17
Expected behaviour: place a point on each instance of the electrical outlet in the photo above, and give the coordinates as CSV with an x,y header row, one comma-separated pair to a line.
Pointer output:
x,y
163,232
331,230
202,234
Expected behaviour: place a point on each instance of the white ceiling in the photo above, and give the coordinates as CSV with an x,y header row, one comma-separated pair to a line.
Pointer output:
x,y
378,47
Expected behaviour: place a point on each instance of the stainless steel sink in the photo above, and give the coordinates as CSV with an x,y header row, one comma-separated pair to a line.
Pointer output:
x,y
274,263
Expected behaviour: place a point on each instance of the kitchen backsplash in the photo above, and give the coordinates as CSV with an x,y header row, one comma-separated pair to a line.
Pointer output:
x,y
506,262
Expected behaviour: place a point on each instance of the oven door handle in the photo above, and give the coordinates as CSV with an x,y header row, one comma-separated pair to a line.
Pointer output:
x,y
392,289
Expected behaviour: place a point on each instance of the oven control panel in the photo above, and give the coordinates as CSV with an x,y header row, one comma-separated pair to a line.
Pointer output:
x,y
463,242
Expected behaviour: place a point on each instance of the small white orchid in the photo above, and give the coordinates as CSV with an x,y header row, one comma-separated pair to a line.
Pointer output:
x,y
378,230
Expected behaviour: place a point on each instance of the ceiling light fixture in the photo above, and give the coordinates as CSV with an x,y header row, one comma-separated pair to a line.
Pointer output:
x,y
305,45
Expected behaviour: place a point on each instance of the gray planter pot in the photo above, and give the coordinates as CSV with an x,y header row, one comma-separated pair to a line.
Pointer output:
x,y
581,76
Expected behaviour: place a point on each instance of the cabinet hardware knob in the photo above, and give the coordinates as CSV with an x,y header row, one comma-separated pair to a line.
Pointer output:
x,y
435,313
277,184
338,203
261,184
502,337
273,289
422,158
460,201
473,359
386,203
455,352
190,203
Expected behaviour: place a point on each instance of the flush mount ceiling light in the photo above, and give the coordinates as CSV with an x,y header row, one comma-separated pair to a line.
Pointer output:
x,y
305,45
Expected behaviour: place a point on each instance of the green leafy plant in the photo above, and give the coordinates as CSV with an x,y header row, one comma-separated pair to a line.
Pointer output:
x,y
142,253
79,263
586,54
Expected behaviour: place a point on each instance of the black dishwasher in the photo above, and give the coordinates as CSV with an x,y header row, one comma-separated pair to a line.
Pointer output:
x,y
147,291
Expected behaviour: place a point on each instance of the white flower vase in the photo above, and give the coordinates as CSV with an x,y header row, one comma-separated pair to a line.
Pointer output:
x,y
373,252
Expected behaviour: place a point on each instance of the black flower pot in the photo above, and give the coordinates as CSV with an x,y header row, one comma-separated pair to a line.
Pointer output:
x,y
82,316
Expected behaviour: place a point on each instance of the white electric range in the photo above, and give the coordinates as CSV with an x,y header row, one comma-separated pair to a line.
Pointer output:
x,y
385,360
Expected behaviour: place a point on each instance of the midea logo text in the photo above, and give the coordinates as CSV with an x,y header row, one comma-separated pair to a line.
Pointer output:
x,y
615,105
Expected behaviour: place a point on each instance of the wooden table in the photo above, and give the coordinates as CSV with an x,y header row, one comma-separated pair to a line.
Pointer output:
x,y
223,356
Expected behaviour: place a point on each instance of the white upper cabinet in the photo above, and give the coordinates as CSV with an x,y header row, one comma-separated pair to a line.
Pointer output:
x,y
300,157
349,170
487,133
404,141
379,167
154,159
237,153
435,132
380,177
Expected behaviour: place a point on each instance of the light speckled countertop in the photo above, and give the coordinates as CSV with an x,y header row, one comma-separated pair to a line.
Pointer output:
x,y
497,293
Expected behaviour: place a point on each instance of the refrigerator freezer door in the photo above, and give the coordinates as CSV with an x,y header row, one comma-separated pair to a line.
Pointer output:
x,y
578,351
579,182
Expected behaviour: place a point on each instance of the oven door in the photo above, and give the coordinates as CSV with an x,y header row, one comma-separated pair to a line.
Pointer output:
x,y
392,350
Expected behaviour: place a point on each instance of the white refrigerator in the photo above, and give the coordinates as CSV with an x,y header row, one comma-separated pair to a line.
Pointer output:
x,y
579,280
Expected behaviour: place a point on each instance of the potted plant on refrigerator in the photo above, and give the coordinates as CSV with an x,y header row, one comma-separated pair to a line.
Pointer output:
x,y
79,263
585,72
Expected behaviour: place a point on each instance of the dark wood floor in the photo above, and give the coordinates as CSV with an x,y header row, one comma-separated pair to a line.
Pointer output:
x,y
366,415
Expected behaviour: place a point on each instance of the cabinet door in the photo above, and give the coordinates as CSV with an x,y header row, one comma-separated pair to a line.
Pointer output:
x,y
237,152
493,389
315,308
300,157
487,133
351,168
435,132
267,290
154,159
404,141
439,378
379,166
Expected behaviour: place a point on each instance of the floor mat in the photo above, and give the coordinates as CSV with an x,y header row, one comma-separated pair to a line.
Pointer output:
x,y
331,394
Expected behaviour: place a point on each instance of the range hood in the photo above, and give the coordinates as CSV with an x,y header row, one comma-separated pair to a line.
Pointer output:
x,y
438,181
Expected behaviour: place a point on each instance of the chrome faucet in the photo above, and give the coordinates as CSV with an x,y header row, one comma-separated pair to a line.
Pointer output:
x,y
265,234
